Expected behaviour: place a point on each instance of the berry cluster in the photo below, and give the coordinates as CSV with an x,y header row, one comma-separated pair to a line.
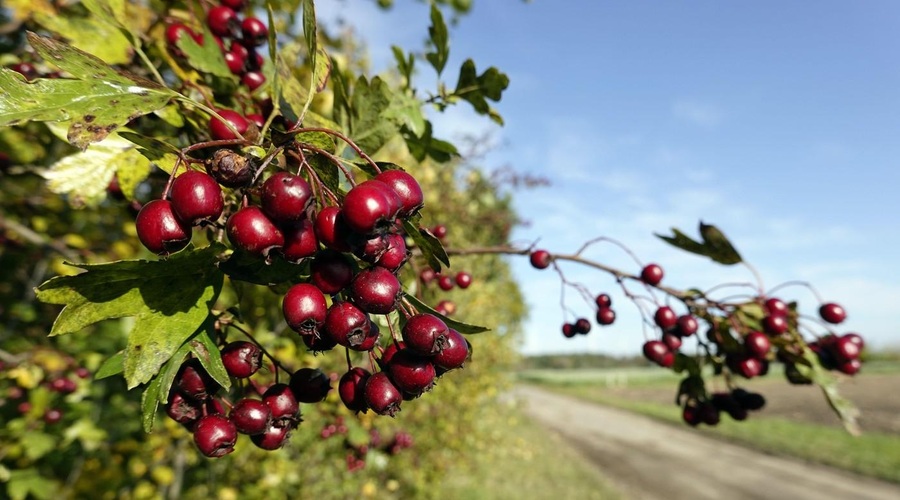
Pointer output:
x,y
58,377
243,37
735,403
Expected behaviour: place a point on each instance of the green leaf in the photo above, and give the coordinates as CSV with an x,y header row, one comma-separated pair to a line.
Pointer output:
x,y
714,245
427,145
405,64
28,483
205,57
170,370
97,102
159,153
478,89
310,28
149,403
91,34
84,175
87,433
452,323
844,408
372,125
204,348
37,444
169,300
113,365
429,245
406,110
439,39
243,266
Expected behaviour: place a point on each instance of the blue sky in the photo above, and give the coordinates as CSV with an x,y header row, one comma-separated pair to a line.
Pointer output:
x,y
777,121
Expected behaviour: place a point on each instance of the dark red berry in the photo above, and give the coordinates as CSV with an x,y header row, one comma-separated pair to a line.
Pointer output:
x,y
603,300
775,324
352,389
568,330
222,20
193,380
347,324
310,385
281,401
331,271
368,207
606,316
221,132
687,325
846,348
709,414
776,307
300,241
375,290
251,416
540,259
160,230
454,353
285,197
659,353
237,5
757,345
665,318
745,365
215,435
672,341
254,31
381,395
691,415
236,64
196,197
253,80
411,373
425,334
183,409
652,274
445,283
62,385
319,342
241,358
250,230
850,367
257,119
407,188
332,230
832,313
175,31
396,253
439,231
304,308
463,279
273,438
582,326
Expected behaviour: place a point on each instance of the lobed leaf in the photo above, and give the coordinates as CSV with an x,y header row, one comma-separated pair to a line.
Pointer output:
x,y
714,245
440,39
478,89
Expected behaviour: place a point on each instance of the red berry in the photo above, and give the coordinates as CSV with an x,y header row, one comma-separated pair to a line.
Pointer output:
x,y
215,435
53,415
776,307
832,313
846,348
606,316
445,283
160,230
582,326
375,290
603,300
687,325
304,308
347,324
300,241
235,63
652,274
221,132
454,353
257,119
281,401
396,254
251,416
757,345
351,388
183,409
273,438
381,395
368,207
672,341
222,20
331,229
241,358
331,271
250,230
463,279
411,373
253,80
439,231
658,352
407,188
285,197
568,330
775,324
196,197
254,31
540,259
193,380
175,31
665,318
237,5
310,385
425,334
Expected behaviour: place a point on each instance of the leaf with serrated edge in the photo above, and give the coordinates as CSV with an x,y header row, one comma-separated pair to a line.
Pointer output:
x,y
97,102
718,247
452,323
169,300
204,348
205,57
169,371
440,39
90,34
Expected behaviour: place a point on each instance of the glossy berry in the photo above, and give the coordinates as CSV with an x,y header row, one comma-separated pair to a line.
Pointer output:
x,y
411,373
425,334
757,345
832,313
300,241
540,259
845,348
304,308
445,283
381,395
196,197
687,325
285,197
183,409
396,253
388,353
254,32
237,5
250,230
221,132
251,416
603,300
775,324
222,20
407,188
253,80
665,318
657,352
463,279
310,385
236,64
672,341
368,209
331,271
582,326
745,365
850,367
160,230
606,316
652,274
283,405
241,358
568,330
776,307
215,435
332,230
273,438
454,353
347,324
175,31
856,339
193,380
53,415
351,388
257,119
375,290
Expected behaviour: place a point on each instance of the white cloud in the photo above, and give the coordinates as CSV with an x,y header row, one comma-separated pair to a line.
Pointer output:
x,y
697,113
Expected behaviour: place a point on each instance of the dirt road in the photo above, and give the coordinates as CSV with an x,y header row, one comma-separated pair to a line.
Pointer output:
x,y
646,459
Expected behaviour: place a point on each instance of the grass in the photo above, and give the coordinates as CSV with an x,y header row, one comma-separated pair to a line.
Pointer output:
x,y
525,461
872,454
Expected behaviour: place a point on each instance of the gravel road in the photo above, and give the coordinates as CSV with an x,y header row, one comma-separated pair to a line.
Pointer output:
x,y
646,459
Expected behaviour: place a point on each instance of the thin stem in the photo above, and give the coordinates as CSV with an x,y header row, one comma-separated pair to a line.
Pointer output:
x,y
362,154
